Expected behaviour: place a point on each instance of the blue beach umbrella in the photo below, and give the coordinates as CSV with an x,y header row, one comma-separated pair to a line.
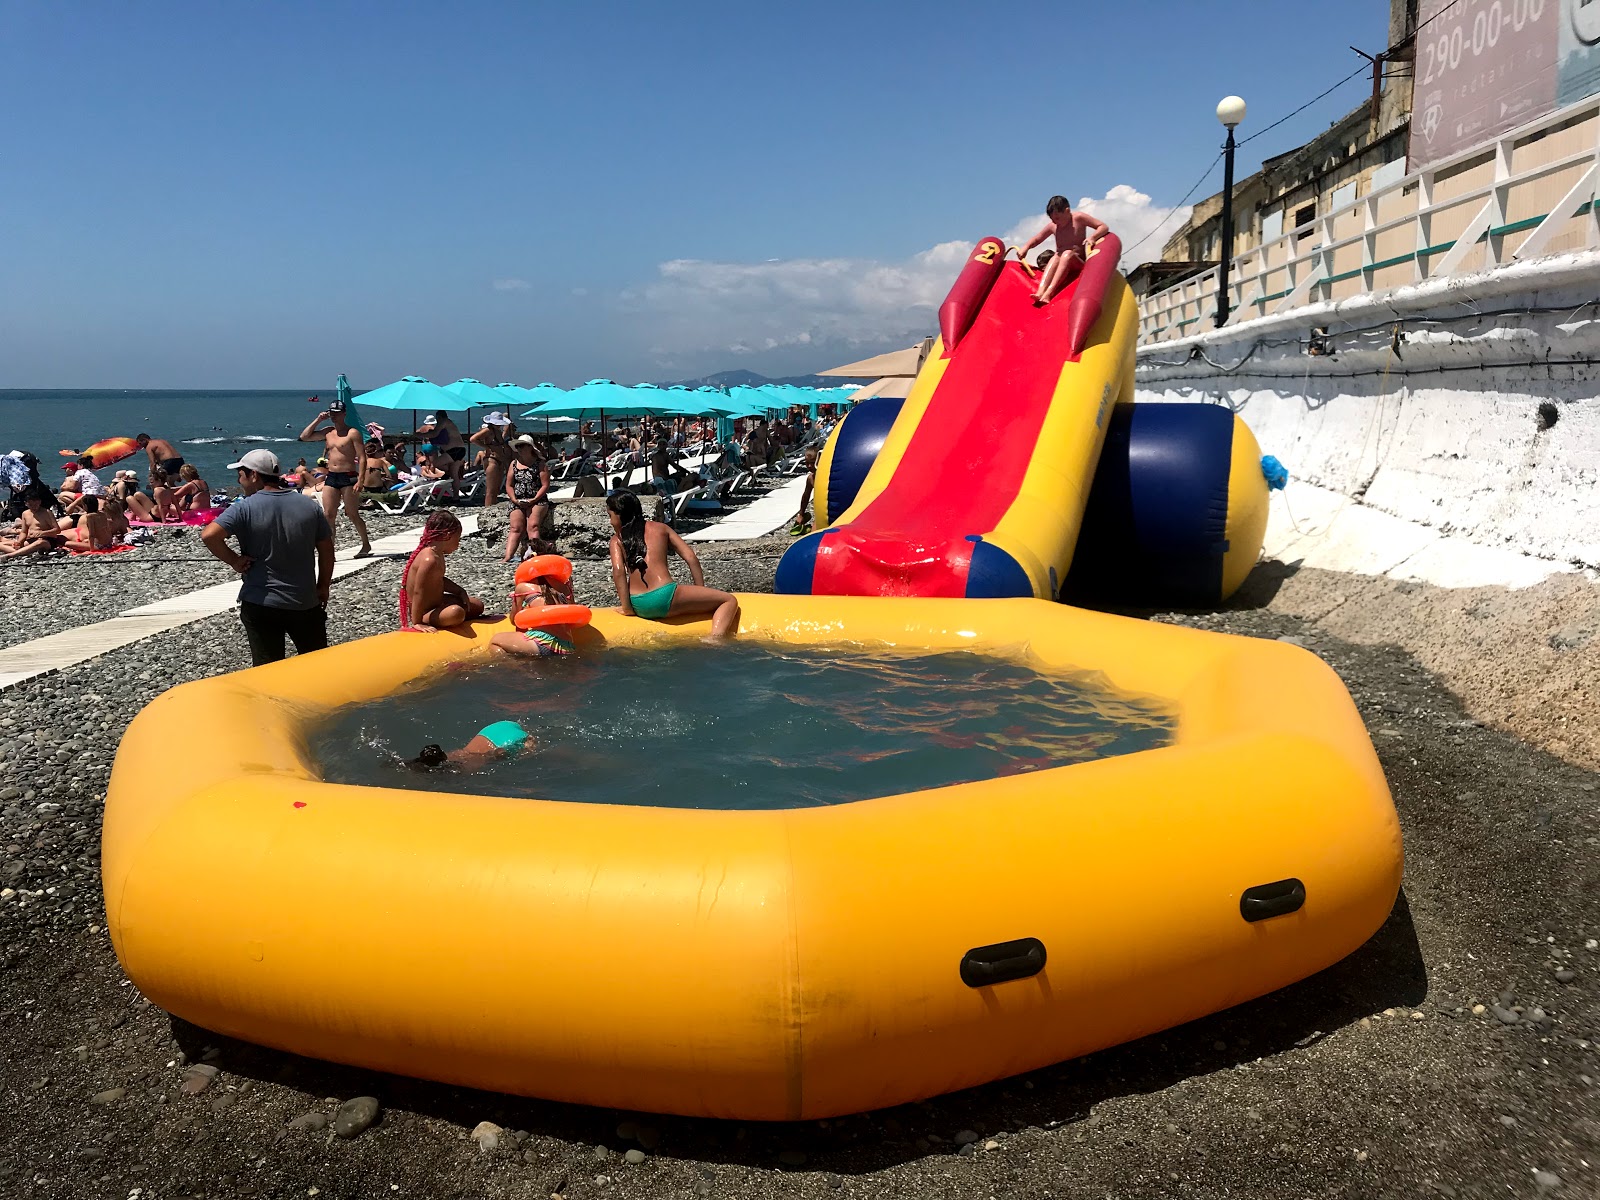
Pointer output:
x,y
475,394
509,395
541,394
341,392
605,396
413,392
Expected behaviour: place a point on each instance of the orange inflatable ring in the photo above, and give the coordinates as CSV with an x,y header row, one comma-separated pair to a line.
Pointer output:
x,y
545,566
541,616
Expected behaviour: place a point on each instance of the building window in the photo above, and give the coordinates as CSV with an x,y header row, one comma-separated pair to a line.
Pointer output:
x,y
1304,216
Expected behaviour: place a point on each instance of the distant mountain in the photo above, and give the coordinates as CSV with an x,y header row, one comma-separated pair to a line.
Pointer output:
x,y
727,379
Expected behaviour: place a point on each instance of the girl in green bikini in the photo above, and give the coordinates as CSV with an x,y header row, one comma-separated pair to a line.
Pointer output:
x,y
643,581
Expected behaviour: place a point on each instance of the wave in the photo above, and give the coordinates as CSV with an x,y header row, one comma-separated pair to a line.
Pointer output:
x,y
244,437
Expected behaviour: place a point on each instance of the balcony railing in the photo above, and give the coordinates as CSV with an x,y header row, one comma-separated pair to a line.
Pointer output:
x,y
1528,193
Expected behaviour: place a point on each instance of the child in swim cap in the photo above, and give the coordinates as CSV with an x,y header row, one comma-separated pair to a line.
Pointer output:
x,y
499,740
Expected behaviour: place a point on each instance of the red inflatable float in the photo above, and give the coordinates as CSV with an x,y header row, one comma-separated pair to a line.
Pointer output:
x,y
546,616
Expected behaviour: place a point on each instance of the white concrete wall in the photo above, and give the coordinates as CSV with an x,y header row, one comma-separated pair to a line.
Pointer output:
x,y
1424,457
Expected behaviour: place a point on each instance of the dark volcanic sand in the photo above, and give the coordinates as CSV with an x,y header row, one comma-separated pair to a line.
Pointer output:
x,y
1373,1079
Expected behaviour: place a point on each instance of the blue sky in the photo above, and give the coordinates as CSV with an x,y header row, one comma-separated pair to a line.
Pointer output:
x,y
230,195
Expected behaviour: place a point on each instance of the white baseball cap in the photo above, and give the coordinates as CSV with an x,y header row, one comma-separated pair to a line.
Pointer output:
x,y
262,462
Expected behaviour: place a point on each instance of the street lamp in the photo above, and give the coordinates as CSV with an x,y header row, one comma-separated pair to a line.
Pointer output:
x,y
1230,112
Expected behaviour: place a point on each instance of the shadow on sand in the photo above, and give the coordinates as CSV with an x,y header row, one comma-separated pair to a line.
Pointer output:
x,y
1386,972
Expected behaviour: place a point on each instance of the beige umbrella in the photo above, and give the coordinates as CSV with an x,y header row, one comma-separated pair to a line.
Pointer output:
x,y
896,387
905,362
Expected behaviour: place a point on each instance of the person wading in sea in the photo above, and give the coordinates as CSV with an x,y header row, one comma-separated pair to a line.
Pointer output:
x,y
347,467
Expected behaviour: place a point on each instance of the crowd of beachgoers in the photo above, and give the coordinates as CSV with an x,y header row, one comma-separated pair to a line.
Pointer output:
x,y
369,469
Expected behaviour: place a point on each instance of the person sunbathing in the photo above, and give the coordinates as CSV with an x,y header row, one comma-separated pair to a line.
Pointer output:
x,y
194,493
93,529
644,582
37,530
429,599
164,496
116,514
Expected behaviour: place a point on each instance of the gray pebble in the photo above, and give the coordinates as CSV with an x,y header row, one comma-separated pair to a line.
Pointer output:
x,y
1508,1121
965,1137
1504,1015
627,1131
634,1156
487,1135
1547,1179
792,1158
649,1137
109,1096
311,1122
355,1115
197,1079
601,1154
1566,975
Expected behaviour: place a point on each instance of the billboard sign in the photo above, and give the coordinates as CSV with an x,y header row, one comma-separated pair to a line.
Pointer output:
x,y
1484,67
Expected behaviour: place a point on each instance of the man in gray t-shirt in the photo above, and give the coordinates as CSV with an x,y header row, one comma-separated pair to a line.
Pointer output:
x,y
285,557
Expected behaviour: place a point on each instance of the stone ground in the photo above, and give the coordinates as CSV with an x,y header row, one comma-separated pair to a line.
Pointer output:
x,y
1380,1077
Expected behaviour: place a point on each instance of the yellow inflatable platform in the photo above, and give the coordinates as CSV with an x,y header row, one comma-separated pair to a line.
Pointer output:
x,y
786,964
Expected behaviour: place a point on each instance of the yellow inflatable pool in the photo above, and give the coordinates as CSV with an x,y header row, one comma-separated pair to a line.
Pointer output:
x,y
785,964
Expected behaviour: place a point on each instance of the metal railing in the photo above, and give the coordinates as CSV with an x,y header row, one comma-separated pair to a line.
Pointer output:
x,y
1528,193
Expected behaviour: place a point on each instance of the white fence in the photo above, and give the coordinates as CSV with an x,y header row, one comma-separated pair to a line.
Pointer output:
x,y
1530,192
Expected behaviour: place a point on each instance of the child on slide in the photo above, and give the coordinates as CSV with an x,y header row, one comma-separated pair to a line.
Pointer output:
x,y
1075,235
430,600
644,582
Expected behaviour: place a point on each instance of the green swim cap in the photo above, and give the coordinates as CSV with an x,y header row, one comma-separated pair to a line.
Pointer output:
x,y
504,734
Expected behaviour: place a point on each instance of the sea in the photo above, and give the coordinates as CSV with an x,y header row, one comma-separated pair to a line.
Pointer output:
x,y
211,428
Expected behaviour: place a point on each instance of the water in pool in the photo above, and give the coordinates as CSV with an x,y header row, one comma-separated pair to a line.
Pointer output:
x,y
740,726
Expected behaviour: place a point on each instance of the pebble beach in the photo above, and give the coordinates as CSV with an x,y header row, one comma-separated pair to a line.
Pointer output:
x,y
1456,1054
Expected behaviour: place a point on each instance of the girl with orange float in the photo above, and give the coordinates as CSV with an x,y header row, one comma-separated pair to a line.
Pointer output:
x,y
542,610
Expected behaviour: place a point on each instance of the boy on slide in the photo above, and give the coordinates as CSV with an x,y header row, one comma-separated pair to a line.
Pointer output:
x,y
429,599
1075,235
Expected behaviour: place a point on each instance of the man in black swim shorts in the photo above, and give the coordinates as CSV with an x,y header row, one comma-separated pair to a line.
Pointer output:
x,y
347,463
161,453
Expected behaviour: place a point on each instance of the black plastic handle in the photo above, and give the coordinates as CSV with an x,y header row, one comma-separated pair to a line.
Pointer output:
x,y
1002,962
1272,899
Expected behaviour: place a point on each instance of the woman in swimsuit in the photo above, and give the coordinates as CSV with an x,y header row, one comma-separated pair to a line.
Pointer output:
x,y
643,580
496,454
528,489
194,493
37,530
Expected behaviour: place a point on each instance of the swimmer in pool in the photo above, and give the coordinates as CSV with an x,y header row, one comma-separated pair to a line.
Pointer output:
x,y
643,580
499,740
551,641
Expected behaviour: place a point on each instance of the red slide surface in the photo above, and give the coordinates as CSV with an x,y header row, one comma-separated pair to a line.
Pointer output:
x,y
964,466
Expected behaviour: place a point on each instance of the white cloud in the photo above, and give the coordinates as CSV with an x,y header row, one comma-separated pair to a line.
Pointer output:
x,y
511,285
695,310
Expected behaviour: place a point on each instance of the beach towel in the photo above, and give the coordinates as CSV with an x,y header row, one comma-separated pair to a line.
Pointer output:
x,y
102,550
